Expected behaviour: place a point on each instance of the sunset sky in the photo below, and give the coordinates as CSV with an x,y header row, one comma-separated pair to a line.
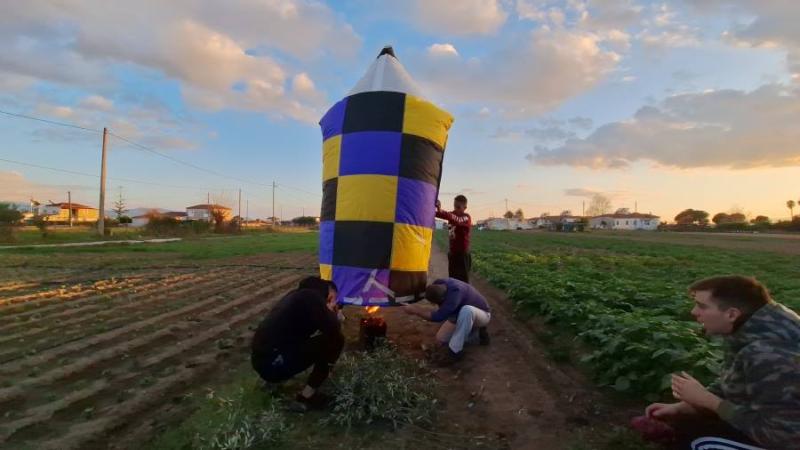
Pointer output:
x,y
664,105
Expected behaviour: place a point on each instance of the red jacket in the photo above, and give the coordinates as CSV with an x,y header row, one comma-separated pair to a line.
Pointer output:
x,y
460,226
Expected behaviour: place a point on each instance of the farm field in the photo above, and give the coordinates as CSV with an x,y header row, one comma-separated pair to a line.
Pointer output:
x,y
95,340
624,295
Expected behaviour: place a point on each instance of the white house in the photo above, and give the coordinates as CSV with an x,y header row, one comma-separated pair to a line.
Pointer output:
x,y
552,222
624,221
203,212
501,223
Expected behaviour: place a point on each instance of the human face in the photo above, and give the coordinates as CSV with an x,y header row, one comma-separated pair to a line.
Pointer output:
x,y
714,319
459,207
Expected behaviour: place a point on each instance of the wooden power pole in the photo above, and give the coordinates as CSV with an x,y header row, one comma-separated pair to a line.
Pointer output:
x,y
240,210
101,221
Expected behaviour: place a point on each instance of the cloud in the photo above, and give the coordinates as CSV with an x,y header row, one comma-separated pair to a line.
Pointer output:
x,y
584,123
725,128
581,192
225,56
464,17
14,187
524,78
97,102
442,50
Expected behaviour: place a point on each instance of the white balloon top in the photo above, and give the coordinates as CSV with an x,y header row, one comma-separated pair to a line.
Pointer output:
x,y
386,74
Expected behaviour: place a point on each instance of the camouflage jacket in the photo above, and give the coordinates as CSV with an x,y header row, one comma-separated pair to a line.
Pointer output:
x,y
760,379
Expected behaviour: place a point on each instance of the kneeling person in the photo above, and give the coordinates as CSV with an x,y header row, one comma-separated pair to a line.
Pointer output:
x,y
301,330
464,311
756,400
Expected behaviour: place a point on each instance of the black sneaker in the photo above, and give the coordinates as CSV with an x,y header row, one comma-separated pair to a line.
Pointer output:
x,y
483,336
315,402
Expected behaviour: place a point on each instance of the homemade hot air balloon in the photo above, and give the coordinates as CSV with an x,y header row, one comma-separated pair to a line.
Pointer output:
x,y
382,154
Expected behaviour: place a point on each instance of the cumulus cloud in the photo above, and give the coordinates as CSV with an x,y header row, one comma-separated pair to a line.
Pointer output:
x,y
442,50
97,102
14,187
725,128
227,55
527,78
774,25
464,17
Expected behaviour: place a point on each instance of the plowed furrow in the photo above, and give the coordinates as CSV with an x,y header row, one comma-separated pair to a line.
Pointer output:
x,y
20,388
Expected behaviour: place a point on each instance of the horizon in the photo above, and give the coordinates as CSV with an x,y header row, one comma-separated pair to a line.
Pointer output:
x,y
659,106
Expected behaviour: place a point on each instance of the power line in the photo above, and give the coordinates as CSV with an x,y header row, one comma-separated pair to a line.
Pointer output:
x,y
153,151
52,122
128,180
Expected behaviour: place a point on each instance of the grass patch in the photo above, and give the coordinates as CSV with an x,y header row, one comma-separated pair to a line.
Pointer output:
x,y
375,394
205,248
381,386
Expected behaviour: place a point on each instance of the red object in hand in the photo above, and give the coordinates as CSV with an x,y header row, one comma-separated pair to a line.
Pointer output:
x,y
652,429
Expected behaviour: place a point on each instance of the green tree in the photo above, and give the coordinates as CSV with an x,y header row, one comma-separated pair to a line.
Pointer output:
x,y
518,214
9,214
791,204
760,220
119,206
508,215
720,218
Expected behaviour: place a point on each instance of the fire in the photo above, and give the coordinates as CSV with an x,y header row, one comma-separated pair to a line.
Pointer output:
x,y
372,309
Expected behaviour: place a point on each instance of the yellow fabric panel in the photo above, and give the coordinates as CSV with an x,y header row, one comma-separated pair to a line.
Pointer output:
x,y
411,247
326,271
422,118
366,197
331,149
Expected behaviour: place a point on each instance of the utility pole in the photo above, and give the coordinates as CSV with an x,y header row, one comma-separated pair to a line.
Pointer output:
x,y
69,205
247,210
101,222
240,209
273,202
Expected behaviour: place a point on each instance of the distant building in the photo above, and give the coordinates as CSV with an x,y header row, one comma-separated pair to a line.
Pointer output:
x,y
501,223
144,219
564,222
203,212
60,212
625,221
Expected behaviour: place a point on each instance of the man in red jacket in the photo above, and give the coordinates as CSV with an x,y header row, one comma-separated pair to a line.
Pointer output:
x,y
460,223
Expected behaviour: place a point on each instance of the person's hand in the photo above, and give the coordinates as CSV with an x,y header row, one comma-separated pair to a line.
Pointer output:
x,y
689,390
662,411
410,309
438,204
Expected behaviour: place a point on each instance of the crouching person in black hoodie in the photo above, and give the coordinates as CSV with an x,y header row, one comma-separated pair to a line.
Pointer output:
x,y
301,330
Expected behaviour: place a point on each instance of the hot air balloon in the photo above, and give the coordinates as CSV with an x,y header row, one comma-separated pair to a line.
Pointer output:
x,y
382,152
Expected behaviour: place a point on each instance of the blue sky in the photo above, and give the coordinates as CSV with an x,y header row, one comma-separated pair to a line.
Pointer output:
x,y
663,105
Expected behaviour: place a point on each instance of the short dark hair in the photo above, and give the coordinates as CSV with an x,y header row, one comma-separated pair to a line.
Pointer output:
x,y
734,291
317,284
435,293
461,198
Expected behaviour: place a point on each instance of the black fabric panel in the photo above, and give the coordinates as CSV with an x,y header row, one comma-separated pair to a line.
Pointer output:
x,y
374,111
362,244
420,159
407,283
328,211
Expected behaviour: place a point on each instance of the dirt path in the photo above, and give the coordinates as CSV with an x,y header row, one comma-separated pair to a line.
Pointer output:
x,y
507,395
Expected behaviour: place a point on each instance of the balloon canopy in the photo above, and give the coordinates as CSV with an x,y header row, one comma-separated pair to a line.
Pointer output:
x,y
382,154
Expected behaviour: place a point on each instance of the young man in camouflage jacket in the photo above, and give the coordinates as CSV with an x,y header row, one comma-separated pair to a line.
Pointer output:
x,y
756,400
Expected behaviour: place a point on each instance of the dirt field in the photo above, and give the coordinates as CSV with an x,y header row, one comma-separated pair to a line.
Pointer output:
x,y
106,353
88,359
507,395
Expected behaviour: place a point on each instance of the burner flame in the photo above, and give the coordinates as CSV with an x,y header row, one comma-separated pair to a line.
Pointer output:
x,y
372,309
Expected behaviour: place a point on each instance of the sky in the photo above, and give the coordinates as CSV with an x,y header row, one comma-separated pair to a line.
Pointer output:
x,y
660,106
